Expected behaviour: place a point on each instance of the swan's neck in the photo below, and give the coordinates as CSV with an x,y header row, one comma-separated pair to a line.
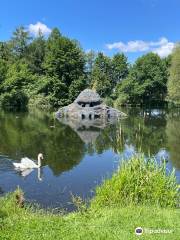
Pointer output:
x,y
39,161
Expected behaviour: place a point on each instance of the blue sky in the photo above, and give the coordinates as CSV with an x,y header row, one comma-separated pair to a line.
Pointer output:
x,y
131,26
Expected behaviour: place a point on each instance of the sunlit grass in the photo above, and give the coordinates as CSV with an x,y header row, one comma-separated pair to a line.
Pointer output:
x,y
139,181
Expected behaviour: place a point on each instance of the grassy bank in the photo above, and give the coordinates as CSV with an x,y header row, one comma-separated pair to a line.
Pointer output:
x,y
119,207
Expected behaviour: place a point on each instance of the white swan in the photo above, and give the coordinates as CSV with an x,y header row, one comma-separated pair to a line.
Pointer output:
x,y
27,163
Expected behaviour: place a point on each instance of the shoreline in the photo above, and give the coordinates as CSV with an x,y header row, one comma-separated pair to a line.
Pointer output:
x,y
112,213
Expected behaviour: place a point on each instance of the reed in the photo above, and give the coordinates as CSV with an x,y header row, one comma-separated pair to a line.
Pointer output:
x,y
139,181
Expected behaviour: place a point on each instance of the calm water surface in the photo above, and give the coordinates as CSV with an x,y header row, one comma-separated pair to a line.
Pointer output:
x,y
77,158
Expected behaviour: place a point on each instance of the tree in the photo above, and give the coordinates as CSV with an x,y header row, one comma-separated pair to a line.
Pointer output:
x,y
18,77
90,60
101,82
119,68
65,62
36,53
53,54
146,81
104,63
3,70
174,78
19,42
5,51
4,58
58,95
102,75
63,58
76,87
52,68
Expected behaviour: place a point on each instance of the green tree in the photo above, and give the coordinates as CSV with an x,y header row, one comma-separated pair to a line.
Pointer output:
x,y
4,61
76,87
63,58
104,63
65,62
15,87
59,93
102,75
101,83
36,53
174,78
3,70
53,54
119,68
19,42
90,60
18,77
5,51
146,82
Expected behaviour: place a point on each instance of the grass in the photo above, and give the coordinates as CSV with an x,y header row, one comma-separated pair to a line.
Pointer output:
x,y
114,213
139,181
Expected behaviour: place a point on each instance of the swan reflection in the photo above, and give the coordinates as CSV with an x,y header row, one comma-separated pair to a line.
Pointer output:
x,y
26,172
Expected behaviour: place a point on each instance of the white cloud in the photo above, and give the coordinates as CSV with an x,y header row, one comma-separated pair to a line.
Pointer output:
x,y
132,46
165,49
162,47
35,28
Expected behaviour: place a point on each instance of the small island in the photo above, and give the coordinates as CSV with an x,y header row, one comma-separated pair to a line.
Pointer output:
x,y
88,105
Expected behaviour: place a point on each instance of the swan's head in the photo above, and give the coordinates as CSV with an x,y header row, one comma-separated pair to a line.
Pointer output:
x,y
40,156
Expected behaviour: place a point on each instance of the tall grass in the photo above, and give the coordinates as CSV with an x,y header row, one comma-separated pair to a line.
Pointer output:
x,y
139,181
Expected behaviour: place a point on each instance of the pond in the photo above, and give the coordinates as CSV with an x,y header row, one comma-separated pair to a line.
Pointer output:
x,y
77,158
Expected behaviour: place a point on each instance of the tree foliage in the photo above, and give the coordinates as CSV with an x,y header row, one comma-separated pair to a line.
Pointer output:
x,y
119,68
53,70
19,42
174,78
146,81
36,54
101,75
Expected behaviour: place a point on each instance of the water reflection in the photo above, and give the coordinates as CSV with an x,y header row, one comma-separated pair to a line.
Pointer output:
x,y
1,191
30,134
65,145
78,154
173,137
87,130
26,172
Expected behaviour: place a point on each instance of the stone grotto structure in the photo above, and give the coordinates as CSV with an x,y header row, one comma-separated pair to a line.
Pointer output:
x,y
89,106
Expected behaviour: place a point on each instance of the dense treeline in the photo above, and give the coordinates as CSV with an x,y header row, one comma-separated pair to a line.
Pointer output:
x,y
174,78
52,71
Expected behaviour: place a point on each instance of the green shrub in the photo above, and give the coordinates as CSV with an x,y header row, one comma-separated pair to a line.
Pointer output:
x,y
14,98
40,101
121,100
108,101
139,181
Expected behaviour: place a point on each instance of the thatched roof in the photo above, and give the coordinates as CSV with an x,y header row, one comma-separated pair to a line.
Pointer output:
x,y
88,96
